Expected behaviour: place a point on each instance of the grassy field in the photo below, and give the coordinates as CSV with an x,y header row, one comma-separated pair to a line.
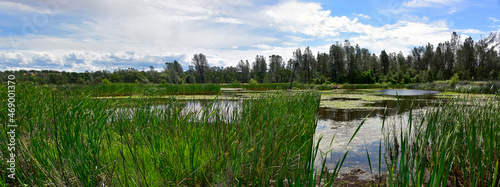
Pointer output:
x,y
68,139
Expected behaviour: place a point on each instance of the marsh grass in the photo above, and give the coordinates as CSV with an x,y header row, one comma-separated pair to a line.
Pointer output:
x,y
67,138
130,89
455,144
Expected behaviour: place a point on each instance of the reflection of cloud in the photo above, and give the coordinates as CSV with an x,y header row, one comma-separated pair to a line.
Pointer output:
x,y
368,137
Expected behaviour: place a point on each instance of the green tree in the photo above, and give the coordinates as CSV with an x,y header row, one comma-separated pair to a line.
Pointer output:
x,y
275,65
384,59
297,55
259,68
244,68
200,64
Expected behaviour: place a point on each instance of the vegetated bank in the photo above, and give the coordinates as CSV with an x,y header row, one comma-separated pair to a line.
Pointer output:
x,y
457,144
67,138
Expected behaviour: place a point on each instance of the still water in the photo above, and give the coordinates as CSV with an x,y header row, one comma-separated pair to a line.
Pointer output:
x,y
341,124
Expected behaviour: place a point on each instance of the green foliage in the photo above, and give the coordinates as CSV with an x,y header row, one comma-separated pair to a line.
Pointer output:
x,y
455,144
252,82
69,139
106,81
454,80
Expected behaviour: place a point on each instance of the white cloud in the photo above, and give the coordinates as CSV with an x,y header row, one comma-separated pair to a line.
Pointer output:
x,y
362,15
452,10
17,7
289,44
128,33
228,20
470,31
403,35
493,19
262,46
298,39
311,19
428,3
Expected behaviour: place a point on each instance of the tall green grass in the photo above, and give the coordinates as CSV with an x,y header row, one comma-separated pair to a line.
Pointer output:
x,y
69,139
456,144
130,89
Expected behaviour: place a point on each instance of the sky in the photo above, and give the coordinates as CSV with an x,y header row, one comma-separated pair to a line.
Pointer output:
x,y
91,35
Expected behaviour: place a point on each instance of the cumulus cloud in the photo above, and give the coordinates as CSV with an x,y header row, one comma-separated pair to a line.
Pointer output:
x,y
311,19
109,34
403,35
80,60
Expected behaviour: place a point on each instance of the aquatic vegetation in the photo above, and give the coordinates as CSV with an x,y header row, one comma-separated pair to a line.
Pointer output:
x,y
455,144
69,139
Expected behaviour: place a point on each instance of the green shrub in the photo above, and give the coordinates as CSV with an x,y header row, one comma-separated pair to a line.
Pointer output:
x,y
252,82
106,81
454,80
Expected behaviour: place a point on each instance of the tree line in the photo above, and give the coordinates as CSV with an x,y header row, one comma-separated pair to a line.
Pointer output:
x,y
343,63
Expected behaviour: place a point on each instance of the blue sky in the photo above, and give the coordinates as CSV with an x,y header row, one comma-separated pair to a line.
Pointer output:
x,y
92,35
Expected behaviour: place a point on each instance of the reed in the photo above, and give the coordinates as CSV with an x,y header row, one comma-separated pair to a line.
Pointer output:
x,y
455,144
69,138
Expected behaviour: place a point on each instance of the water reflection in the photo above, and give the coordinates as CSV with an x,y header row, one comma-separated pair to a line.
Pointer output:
x,y
341,124
406,92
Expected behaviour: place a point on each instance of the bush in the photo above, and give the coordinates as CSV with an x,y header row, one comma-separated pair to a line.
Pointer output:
x,y
105,81
454,80
252,82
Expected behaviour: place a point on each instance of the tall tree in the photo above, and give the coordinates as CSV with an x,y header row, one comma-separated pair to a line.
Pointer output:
x,y
337,62
174,71
323,68
307,59
449,61
259,68
200,64
275,65
466,59
244,68
384,59
297,55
